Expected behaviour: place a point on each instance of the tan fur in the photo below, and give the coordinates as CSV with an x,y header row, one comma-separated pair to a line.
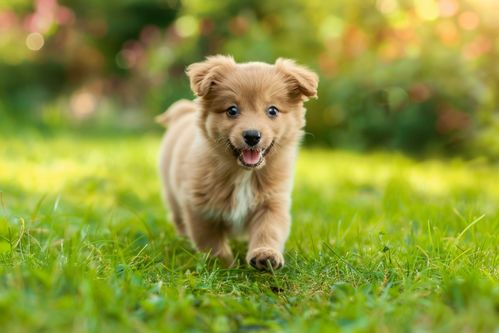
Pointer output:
x,y
211,195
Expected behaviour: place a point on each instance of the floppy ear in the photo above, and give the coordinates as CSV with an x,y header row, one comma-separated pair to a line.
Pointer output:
x,y
203,75
302,81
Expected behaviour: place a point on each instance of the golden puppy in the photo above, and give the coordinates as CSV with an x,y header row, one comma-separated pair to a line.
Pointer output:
x,y
227,159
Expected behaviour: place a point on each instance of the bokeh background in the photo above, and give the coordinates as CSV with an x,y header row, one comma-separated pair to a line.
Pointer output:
x,y
420,76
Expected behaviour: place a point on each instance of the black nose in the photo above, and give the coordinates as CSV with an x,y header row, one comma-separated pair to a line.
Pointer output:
x,y
251,137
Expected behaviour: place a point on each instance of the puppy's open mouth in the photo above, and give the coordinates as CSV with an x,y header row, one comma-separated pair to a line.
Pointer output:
x,y
250,157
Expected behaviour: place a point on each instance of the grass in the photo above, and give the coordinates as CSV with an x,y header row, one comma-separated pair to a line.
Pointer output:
x,y
380,242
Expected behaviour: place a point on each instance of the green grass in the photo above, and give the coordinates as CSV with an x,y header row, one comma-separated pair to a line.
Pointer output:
x,y
379,242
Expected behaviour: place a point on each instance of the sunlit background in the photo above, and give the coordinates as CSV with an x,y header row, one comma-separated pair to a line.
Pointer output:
x,y
421,76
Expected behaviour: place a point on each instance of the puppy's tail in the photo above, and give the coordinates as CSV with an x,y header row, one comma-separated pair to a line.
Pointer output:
x,y
175,111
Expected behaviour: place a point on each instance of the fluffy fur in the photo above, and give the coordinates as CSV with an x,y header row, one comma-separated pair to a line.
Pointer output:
x,y
210,188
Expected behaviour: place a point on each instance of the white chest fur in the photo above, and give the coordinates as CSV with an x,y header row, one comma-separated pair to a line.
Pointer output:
x,y
242,201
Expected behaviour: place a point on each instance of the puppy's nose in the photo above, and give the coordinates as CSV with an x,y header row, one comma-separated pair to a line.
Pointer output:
x,y
251,137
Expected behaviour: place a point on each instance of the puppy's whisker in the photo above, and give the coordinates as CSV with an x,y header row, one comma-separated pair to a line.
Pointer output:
x,y
277,145
309,133
220,141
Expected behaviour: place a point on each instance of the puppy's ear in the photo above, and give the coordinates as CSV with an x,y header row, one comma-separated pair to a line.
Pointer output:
x,y
302,82
203,75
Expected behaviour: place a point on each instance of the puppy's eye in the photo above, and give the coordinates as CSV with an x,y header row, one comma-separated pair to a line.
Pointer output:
x,y
272,111
232,112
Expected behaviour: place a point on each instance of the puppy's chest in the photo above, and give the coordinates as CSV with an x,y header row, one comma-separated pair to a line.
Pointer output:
x,y
235,207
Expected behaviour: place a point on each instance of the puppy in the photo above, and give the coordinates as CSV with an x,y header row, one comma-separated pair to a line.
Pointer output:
x,y
227,159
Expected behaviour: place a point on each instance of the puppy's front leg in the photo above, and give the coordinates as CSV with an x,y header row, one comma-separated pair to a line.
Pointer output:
x,y
268,231
210,237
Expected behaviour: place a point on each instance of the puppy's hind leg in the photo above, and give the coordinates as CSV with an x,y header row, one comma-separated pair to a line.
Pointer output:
x,y
175,213
210,237
178,223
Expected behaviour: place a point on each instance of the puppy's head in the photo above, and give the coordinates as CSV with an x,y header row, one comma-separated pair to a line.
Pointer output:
x,y
250,110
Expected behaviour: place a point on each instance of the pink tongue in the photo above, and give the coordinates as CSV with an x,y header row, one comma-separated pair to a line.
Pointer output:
x,y
251,156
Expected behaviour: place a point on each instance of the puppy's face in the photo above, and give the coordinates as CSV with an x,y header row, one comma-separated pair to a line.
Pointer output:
x,y
250,110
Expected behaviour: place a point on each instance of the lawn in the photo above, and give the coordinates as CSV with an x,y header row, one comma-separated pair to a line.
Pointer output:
x,y
380,242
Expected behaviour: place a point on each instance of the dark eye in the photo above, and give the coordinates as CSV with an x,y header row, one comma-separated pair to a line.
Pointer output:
x,y
232,112
272,111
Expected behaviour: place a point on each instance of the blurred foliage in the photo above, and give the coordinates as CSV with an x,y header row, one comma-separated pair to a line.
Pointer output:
x,y
415,75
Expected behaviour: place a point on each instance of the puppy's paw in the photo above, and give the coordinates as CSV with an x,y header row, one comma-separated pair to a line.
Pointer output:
x,y
265,258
